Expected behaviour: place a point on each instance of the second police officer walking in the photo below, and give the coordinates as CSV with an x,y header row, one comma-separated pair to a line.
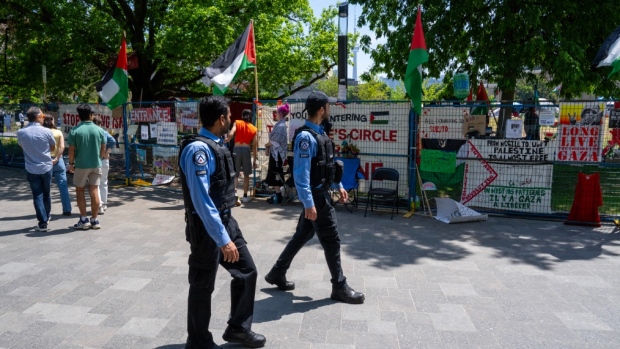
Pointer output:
x,y
315,171
207,177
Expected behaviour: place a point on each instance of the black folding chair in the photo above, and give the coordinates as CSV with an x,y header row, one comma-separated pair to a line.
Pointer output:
x,y
381,185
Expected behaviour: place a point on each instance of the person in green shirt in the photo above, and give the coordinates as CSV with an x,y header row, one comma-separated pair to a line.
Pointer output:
x,y
87,144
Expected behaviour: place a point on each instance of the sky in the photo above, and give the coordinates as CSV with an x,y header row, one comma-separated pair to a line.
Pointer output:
x,y
364,62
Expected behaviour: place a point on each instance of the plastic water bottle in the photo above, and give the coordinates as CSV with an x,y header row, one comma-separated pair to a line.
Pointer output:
x,y
275,199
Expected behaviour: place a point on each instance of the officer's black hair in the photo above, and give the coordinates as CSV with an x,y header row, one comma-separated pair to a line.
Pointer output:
x,y
84,111
211,108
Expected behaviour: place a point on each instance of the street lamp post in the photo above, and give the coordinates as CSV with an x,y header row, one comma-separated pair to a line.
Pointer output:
x,y
343,22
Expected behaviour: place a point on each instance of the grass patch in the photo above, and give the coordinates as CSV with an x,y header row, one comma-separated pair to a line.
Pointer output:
x,y
562,188
565,182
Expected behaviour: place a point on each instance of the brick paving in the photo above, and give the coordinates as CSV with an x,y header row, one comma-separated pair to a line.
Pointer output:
x,y
504,283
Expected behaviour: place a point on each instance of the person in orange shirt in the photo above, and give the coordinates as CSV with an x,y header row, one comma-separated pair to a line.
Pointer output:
x,y
245,140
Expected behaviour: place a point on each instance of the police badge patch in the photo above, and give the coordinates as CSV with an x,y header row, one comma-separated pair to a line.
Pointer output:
x,y
200,158
304,145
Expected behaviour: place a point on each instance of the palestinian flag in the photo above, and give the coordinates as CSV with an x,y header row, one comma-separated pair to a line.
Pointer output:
x,y
240,56
113,87
482,97
609,53
417,56
379,117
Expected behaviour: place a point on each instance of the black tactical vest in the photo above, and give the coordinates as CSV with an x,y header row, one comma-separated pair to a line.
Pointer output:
x,y
222,188
322,167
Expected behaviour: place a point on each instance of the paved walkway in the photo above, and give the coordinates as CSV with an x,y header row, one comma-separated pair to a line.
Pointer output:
x,y
505,283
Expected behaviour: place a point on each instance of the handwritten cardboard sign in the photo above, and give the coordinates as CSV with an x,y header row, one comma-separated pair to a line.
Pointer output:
x,y
475,123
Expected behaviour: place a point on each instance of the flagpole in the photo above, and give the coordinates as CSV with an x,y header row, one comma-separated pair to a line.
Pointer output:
x,y
255,64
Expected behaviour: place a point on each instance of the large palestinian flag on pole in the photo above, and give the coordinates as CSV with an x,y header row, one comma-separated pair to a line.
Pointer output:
x,y
113,87
609,53
239,56
417,56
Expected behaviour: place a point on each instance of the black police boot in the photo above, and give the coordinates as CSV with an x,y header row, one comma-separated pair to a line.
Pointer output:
x,y
245,337
275,278
344,293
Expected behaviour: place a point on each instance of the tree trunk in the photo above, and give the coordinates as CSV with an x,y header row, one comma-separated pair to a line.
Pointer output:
x,y
505,113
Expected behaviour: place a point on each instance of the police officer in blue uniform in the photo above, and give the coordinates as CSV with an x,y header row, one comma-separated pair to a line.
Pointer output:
x,y
207,171
314,172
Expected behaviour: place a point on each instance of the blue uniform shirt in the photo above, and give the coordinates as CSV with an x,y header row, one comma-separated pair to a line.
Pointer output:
x,y
198,164
304,150
110,141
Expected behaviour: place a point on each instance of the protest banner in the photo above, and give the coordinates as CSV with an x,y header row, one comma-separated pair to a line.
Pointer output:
x,y
375,128
69,118
579,143
492,181
150,115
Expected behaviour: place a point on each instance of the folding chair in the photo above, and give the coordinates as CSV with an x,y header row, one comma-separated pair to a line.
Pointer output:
x,y
380,186
350,182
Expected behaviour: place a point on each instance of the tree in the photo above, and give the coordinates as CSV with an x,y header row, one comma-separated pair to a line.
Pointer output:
x,y
372,89
435,91
398,93
170,40
525,89
500,41
329,85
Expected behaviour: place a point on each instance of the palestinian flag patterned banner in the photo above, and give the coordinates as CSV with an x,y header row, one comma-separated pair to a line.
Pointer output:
x,y
113,87
240,56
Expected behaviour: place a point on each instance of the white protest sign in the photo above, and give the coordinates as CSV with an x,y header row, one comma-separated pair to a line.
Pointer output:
x,y
506,186
144,132
514,128
69,118
167,133
442,123
546,117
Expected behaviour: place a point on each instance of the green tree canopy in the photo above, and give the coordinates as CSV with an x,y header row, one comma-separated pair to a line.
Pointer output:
x,y
329,85
170,40
500,41
371,89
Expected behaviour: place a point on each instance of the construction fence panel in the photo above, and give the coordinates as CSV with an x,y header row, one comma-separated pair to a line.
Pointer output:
x,y
531,170
377,131
153,133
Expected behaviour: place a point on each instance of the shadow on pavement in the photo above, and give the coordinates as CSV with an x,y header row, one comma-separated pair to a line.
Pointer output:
x,y
281,303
